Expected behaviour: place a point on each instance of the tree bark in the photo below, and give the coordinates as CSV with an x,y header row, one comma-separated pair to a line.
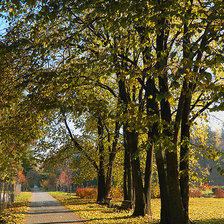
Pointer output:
x,y
132,147
184,156
148,179
152,110
174,213
163,185
128,180
140,202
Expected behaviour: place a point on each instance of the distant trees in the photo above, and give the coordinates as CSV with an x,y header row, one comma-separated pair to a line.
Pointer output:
x,y
209,152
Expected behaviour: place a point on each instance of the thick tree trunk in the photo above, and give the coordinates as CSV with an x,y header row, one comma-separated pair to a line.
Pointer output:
x,y
108,180
176,214
152,110
128,180
132,147
140,202
175,210
185,128
160,162
101,186
184,156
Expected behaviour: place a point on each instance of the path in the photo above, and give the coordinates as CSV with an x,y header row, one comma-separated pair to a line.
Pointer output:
x,y
46,210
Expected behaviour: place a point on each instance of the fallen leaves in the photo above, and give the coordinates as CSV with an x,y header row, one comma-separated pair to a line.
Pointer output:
x,y
202,210
16,213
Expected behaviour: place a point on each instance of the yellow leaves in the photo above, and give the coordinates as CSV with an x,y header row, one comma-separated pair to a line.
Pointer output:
x,y
204,209
15,214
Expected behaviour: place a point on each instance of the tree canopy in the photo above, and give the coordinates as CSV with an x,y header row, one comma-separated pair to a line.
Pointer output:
x,y
142,69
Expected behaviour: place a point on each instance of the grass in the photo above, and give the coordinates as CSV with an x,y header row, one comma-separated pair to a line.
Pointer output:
x,y
15,214
202,210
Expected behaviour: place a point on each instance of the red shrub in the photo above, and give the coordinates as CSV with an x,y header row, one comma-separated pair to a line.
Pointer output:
x,y
87,192
219,193
195,193
206,187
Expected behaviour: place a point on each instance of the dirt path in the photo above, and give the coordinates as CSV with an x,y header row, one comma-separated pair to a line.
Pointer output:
x,y
46,210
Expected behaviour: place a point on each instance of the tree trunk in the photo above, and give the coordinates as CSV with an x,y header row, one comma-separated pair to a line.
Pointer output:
x,y
132,147
140,202
152,110
176,214
184,157
148,179
112,156
101,187
128,180
185,127
161,167
101,171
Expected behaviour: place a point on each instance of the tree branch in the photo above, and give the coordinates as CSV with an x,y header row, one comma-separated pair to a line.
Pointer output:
x,y
201,111
79,147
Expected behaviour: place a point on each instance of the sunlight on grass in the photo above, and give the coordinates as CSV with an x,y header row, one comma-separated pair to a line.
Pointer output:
x,y
202,210
16,213
207,210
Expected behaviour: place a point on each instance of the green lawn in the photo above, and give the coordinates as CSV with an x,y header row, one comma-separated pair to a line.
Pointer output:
x,y
16,213
202,210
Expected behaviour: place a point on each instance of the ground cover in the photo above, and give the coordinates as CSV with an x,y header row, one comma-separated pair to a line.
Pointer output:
x,y
15,214
202,210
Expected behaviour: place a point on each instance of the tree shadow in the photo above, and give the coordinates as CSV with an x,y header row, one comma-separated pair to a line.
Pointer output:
x,y
208,221
76,201
117,219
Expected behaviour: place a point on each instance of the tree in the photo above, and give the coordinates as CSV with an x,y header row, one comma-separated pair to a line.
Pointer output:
x,y
164,60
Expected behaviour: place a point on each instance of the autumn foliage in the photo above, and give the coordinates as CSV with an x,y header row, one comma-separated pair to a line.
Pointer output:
x,y
219,193
87,192
21,177
116,192
195,193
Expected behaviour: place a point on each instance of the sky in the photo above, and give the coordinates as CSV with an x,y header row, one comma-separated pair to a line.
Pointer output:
x,y
216,119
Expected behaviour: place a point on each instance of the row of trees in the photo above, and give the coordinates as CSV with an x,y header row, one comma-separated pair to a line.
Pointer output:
x,y
133,76
18,130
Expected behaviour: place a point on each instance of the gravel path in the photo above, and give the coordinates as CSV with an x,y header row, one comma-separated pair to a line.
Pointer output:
x,y
46,210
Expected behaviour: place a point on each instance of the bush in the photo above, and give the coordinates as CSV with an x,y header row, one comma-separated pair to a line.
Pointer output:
x,y
214,189
217,187
219,193
87,192
195,193
206,187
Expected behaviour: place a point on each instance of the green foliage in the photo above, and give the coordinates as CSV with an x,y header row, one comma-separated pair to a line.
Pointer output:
x,y
207,151
155,66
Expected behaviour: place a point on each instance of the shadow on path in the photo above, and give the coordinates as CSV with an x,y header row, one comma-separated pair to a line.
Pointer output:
x,y
46,210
